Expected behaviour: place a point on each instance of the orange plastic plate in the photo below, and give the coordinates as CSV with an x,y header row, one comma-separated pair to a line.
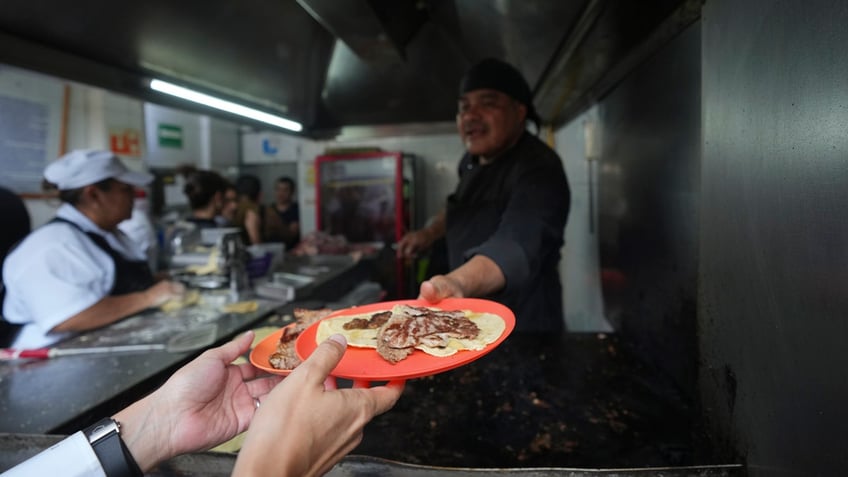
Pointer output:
x,y
366,364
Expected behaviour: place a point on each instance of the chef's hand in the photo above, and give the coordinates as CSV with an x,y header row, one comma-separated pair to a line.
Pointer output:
x,y
439,287
205,403
479,276
305,425
164,291
412,243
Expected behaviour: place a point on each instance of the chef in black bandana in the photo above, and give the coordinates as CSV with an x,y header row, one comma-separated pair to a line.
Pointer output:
x,y
504,223
78,271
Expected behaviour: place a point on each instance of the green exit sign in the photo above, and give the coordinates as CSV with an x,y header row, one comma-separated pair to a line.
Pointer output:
x,y
170,136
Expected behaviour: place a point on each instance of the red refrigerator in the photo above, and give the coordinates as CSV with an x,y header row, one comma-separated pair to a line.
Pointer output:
x,y
368,197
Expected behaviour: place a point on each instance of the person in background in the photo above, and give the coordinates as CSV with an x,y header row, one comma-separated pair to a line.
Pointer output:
x,y
16,226
78,271
248,214
289,212
227,216
205,193
16,222
504,224
140,228
303,426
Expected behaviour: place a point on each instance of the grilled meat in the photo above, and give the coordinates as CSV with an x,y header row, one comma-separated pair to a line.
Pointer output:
x,y
411,326
377,320
286,357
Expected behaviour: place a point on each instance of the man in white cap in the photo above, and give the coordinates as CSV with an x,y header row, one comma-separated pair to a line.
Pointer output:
x,y
78,271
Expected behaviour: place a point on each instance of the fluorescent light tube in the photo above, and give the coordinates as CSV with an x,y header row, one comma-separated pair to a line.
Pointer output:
x,y
223,105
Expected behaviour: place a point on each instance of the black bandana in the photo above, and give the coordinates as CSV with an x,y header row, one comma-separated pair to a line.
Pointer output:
x,y
499,76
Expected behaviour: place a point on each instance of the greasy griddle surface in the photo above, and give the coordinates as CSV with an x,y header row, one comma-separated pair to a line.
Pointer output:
x,y
582,400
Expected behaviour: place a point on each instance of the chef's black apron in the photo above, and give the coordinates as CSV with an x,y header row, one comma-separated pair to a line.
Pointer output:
x,y
130,275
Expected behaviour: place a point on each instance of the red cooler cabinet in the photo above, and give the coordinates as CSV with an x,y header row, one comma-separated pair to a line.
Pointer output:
x,y
368,197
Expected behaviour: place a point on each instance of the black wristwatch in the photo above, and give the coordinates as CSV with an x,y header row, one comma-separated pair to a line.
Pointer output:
x,y
114,457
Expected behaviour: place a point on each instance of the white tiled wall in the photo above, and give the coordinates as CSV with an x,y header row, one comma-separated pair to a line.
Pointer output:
x,y
93,113
580,266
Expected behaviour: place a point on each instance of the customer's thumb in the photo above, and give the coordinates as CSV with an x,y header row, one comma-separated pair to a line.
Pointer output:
x,y
325,357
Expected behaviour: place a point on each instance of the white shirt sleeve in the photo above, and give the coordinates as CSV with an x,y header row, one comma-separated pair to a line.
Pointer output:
x,y
72,457
55,273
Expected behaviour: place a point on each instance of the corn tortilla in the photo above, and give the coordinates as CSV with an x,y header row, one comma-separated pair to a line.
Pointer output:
x,y
190,298
491,327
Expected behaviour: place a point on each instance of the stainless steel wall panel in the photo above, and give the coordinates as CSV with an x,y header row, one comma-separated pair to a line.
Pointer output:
x,y
774,265
648,205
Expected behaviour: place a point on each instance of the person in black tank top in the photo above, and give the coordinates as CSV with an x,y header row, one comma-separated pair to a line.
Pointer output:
x,y
287,213
249,214
205,192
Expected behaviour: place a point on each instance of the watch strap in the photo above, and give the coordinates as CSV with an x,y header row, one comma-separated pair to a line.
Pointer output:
x,y
114,457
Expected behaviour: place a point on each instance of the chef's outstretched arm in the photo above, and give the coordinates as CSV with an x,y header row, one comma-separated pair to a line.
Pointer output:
x,y
479,276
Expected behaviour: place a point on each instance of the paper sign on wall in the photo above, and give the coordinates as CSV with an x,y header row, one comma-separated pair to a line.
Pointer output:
x,y
270,146
126,142
24,128
170,135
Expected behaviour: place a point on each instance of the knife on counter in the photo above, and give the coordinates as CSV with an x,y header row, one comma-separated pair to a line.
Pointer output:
x,y
188,340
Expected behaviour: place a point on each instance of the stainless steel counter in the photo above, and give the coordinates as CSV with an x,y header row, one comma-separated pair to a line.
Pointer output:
x,y
17,448
62,395
54,395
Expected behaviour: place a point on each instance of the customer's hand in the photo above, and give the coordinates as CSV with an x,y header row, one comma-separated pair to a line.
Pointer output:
x,y
205,403
304,425
439,287
163,291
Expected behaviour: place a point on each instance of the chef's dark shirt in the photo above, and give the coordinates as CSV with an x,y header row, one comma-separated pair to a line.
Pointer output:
x,y
514,211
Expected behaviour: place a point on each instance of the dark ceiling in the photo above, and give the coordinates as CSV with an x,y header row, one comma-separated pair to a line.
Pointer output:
x,y
334,63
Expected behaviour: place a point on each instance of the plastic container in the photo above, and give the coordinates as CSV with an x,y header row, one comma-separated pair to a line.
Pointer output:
x,y
276,249
259,266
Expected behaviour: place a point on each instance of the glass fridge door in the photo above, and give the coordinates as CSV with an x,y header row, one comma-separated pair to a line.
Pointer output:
x,y
360,197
